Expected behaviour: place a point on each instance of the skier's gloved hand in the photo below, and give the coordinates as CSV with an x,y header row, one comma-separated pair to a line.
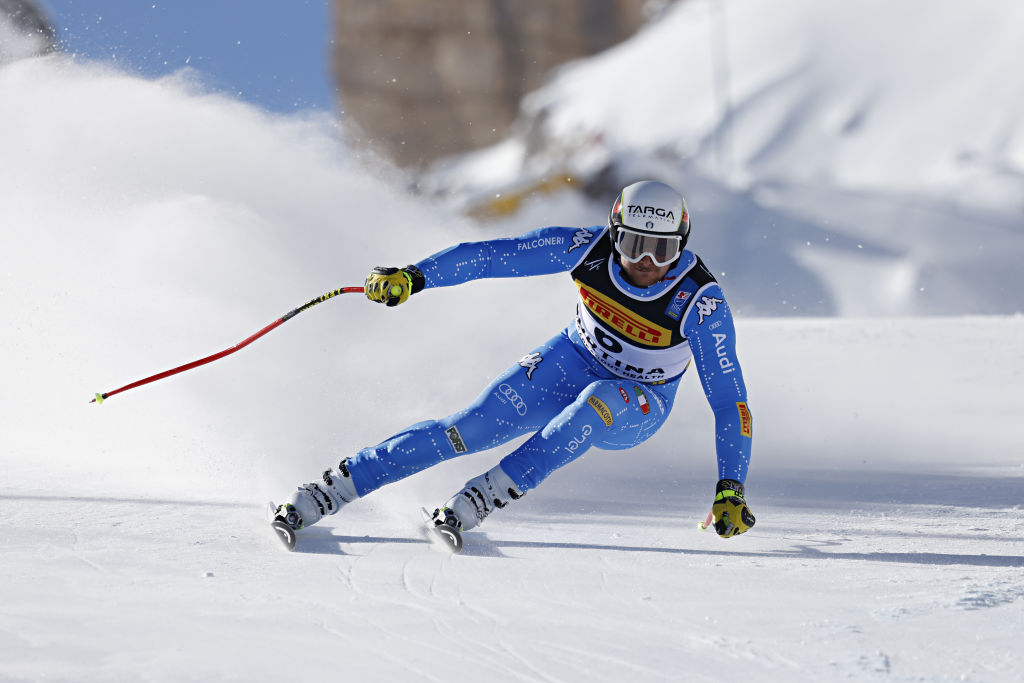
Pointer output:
x,y
393,286
731,514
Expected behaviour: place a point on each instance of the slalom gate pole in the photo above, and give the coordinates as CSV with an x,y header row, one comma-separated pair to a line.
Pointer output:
x,y
227,352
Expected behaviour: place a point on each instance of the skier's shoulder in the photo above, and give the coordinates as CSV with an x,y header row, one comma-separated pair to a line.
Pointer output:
x,y
566,244
593,230
557,235
581,235
695,273
703,293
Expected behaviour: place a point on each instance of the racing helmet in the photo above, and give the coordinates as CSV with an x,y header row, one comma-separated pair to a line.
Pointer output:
x,y
649,219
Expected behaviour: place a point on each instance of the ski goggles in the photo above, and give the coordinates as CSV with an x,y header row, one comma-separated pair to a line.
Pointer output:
x,y
663,249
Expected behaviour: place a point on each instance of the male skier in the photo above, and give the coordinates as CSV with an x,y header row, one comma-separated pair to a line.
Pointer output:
x,y
646,308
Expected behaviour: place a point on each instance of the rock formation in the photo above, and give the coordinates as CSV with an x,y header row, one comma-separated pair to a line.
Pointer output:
x,y
421,80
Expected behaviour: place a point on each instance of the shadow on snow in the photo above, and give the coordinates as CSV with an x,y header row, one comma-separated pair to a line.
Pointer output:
x,y
322,542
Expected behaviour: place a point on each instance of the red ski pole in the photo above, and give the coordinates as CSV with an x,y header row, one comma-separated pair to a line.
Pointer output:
x,y
226,352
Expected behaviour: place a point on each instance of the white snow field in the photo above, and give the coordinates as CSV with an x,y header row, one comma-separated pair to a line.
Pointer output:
x,y
886,480
146,224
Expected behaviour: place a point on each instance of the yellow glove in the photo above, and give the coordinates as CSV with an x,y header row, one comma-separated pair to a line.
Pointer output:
x,y
393,286
730,511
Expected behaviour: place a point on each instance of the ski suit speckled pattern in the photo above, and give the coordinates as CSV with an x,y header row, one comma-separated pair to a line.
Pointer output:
x,y
570,398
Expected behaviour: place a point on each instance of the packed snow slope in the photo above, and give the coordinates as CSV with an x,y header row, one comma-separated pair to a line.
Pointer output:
x,y
844,158
146,224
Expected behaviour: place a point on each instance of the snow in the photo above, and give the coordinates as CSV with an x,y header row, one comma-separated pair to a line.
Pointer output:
x,y
806,90
838,141
17,42
148,223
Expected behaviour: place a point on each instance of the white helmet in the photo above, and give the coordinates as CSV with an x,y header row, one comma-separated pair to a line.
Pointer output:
x,y
649,219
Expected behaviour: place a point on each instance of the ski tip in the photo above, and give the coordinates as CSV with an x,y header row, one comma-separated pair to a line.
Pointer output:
x,y
282,531
450,536
285,534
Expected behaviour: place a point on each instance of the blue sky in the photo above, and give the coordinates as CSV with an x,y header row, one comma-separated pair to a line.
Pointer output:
x,y
273,54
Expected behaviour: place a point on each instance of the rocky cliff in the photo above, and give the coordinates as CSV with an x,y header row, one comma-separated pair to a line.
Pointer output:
x,y
422,80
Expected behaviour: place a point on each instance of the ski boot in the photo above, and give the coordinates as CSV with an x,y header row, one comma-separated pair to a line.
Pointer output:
x,y
312,502
481,495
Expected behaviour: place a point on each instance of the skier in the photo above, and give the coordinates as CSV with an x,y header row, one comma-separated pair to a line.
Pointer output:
x,y
646,308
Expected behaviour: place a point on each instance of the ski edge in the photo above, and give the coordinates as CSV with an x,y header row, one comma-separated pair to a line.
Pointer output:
x,y
445,535
284,533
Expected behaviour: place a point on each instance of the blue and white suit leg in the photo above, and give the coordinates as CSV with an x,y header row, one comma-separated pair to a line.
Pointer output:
x,y
522,399
609,414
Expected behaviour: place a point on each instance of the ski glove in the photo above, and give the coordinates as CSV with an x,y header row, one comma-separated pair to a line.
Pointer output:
x,y
731,514
393,286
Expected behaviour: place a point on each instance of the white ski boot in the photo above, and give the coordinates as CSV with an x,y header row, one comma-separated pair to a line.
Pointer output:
x,y
314,501
481,495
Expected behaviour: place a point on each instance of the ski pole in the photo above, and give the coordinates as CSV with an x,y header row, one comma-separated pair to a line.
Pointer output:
x,y
226,352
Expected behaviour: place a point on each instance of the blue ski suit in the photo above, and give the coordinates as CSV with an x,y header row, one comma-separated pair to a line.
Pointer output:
x,y
608,380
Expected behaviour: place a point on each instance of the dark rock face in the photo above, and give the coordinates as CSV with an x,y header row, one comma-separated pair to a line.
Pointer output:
x,y
426,79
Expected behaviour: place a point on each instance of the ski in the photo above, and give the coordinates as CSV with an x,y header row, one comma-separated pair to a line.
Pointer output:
x,y
447,536
444,535
284,533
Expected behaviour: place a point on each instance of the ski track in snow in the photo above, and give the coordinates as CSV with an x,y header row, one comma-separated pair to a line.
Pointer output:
x,y
103,588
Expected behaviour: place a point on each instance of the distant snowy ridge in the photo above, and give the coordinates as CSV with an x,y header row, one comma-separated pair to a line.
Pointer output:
x,y
839,158
913,98
910,97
